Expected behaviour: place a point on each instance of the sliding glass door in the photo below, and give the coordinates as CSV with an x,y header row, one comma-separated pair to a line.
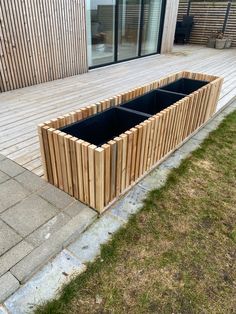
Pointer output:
x,y
128,29
119,30
151,26
100,31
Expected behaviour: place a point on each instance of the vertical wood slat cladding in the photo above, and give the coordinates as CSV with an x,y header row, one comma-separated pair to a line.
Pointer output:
x,y
98,175
209,16
169,25
40,41
230,29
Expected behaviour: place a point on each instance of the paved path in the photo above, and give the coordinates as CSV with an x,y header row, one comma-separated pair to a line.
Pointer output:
x,y
37,221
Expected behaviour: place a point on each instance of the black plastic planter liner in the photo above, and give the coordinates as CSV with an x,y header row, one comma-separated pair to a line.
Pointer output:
x,y
184,86
153,102
104,126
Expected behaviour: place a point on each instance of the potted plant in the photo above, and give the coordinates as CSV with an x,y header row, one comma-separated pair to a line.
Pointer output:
x,y
220,41
212,40
228,42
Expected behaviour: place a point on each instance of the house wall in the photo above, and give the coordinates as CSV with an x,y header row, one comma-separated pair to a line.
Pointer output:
x,y
40,41
169,25
45,40
210,16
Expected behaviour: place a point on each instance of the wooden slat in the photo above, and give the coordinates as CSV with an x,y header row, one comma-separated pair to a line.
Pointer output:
x,y
99,178
41,41
169,25
91,170
209,16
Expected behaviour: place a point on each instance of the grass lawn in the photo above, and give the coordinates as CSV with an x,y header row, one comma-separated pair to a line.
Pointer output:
x,y
178,254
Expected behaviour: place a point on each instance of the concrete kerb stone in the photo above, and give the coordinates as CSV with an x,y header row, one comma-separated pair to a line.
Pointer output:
x,y
46,284
88,246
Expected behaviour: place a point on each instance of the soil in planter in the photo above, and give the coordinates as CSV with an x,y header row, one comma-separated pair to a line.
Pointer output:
x,y
184,86
154,101
104,126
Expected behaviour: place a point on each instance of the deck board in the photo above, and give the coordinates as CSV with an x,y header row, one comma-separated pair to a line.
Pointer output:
x,y
23,109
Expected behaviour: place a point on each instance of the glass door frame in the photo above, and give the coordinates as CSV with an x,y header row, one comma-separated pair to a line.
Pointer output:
x,y
116,25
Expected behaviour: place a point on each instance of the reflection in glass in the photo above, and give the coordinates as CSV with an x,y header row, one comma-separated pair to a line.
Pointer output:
x,y
151,26
128,28
100,16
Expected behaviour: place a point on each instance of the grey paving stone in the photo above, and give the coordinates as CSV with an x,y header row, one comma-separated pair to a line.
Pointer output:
x,y
40,255
8,285
87,247
29,214
47,230
8,238
30,181
2,157
56,197
10,167
75,208
46,284
11,192
3,177
14,255
3,310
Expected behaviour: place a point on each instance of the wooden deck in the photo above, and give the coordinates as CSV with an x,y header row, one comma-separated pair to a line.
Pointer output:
x,y
22,110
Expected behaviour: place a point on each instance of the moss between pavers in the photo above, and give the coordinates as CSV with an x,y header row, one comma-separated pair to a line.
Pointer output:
x,y
177,255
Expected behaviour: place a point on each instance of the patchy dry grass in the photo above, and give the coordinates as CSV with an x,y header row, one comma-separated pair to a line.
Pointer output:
x,y
178,254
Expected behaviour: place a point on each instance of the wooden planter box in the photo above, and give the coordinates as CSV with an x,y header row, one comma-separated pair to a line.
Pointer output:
x,y
96,159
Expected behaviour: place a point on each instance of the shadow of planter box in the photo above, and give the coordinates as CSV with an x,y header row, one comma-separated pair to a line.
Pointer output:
x,y
184,86
105,126
153,102
98,152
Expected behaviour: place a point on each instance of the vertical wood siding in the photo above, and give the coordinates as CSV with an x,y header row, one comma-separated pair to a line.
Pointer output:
x,y
231,24
209,16
40,41
169,25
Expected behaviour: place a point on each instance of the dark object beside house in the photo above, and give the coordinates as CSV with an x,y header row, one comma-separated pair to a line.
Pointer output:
x,y
183,29
106,125
153,102
184,86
